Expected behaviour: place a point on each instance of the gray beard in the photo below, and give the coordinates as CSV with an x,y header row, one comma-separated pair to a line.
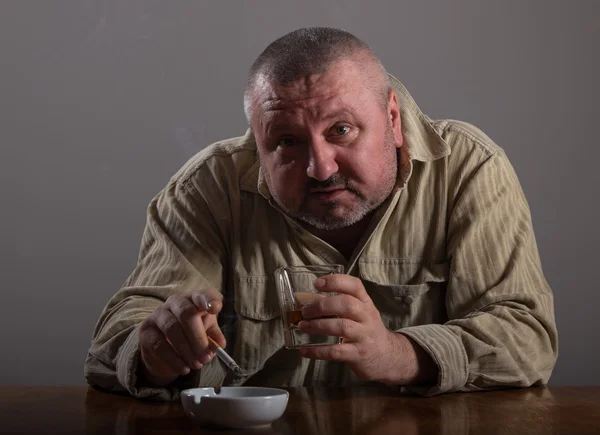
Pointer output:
x,y
335,223
329,223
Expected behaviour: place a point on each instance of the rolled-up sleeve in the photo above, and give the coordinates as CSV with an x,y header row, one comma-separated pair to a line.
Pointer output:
x,y
501,330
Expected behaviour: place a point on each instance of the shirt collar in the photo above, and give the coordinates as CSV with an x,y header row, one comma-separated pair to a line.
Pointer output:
x,y
420,137
421,142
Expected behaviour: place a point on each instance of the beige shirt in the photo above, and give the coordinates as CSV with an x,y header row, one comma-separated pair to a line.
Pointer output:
x,y
450,260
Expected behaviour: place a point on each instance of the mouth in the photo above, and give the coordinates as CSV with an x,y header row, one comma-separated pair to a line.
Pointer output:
x,y
327,194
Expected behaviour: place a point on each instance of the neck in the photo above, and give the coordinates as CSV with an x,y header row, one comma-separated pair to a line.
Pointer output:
x,y
343,239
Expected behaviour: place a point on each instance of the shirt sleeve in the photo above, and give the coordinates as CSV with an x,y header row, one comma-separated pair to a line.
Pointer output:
x,y
182,249
501,330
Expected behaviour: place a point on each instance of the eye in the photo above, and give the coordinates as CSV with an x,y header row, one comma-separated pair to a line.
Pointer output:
x,y
287,141
341,130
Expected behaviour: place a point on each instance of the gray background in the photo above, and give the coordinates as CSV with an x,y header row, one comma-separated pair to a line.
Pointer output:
x,y
102,101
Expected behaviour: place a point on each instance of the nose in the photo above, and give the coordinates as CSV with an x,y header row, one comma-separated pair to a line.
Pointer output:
x,y
321,160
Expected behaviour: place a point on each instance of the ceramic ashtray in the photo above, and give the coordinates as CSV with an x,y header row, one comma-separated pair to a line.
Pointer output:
x,y
235,407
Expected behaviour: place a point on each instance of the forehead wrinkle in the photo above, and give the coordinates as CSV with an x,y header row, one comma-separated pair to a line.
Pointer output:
x,y
309,97
315,108
276,101
299,91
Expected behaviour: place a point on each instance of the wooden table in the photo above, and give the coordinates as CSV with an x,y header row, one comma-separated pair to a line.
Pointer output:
x,y
70,410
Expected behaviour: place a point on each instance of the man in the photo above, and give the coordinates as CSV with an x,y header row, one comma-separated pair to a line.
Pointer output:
x,y
444,290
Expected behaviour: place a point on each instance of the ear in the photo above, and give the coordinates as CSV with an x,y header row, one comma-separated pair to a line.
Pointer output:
x,y
394,118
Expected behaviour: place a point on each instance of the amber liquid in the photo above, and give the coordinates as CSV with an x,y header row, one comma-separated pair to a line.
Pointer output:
x,y
292,318
292,315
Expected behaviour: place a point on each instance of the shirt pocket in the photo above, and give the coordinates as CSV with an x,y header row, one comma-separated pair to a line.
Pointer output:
x,y
407,292
259,327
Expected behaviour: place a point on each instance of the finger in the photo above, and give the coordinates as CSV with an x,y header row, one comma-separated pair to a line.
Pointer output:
x,y
208,300
159,355
302,298
338,327
215,333
346,284
346,352
192,324
339,305
168,323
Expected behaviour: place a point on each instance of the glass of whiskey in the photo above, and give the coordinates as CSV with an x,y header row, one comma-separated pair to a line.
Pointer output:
x,y
295,288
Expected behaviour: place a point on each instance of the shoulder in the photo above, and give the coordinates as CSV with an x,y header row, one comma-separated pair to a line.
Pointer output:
x,y
470,148
225,160
475,159
466,139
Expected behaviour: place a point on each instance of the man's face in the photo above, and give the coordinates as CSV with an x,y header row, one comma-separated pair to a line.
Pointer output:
x,y
327,146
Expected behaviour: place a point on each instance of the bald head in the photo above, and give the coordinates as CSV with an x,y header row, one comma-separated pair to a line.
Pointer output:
x,y
307,52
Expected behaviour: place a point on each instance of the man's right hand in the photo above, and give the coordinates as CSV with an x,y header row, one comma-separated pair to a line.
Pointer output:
x,y
173,339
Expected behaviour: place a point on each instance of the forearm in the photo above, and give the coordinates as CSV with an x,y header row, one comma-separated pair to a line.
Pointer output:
x,y
114,356
114,364
496,346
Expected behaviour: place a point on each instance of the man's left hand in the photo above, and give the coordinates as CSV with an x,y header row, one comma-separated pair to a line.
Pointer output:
x,y
371,350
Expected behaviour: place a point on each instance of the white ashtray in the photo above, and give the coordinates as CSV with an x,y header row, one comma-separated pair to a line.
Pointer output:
x,y
235,407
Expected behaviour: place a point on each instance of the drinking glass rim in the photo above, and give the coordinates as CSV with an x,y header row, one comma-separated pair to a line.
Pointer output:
x,y
311,268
